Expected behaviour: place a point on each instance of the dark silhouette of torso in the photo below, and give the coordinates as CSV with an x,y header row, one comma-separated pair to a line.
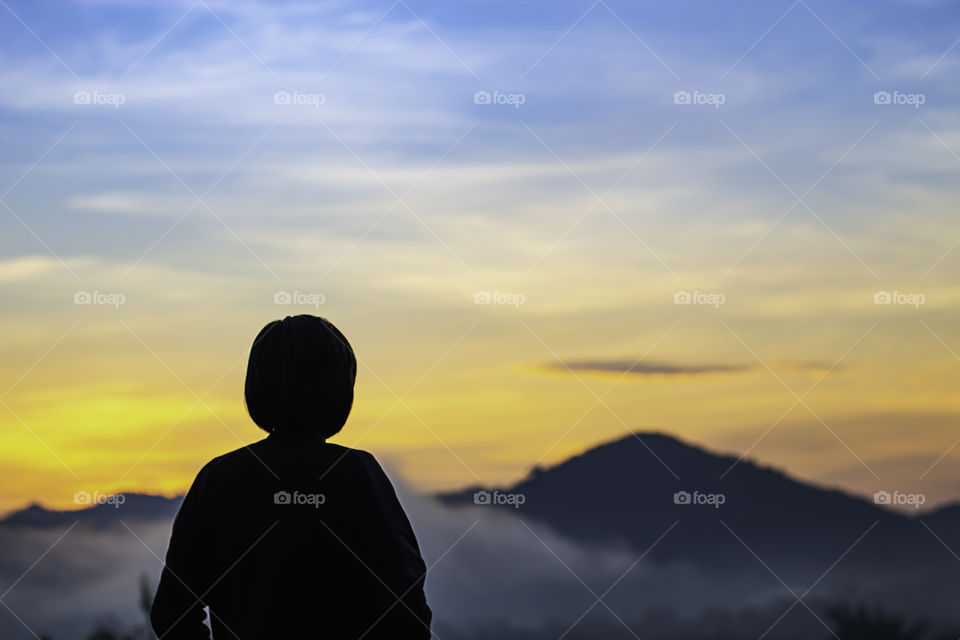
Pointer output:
x,y
292,537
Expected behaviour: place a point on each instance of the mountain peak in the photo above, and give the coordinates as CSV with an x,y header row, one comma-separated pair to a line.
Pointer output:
x,y
631,489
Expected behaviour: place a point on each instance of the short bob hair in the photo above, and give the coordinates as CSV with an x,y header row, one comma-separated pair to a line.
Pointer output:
x,y
300,377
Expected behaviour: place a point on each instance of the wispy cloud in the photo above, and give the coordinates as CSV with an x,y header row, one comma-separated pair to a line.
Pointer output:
x,y
651,369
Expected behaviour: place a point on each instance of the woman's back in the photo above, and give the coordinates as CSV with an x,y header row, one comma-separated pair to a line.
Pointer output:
x,y
292,537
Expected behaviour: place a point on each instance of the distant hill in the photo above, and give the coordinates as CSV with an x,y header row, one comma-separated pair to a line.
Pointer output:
x,y
135,506
623,492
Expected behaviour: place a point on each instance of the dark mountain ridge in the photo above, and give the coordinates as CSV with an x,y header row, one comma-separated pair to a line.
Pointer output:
x,y
134,506
630,491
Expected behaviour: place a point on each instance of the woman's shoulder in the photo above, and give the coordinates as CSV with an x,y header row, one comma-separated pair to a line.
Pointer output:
x,y
361,457
350,451
255,453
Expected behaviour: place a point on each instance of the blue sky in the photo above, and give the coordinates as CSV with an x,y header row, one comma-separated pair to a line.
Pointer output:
x,y
797,81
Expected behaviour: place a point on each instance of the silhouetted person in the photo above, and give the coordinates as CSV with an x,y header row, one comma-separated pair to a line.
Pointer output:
x,y
293,537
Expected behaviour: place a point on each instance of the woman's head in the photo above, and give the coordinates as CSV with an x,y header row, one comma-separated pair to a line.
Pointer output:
x,y
300,377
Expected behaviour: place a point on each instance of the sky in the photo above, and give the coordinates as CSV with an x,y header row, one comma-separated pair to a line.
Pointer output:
x,y
541,225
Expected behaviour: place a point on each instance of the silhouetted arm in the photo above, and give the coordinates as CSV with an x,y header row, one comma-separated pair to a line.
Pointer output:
x,y
392,553
177,612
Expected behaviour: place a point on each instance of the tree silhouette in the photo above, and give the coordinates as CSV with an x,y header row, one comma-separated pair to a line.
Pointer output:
x,y
861,623
142,631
